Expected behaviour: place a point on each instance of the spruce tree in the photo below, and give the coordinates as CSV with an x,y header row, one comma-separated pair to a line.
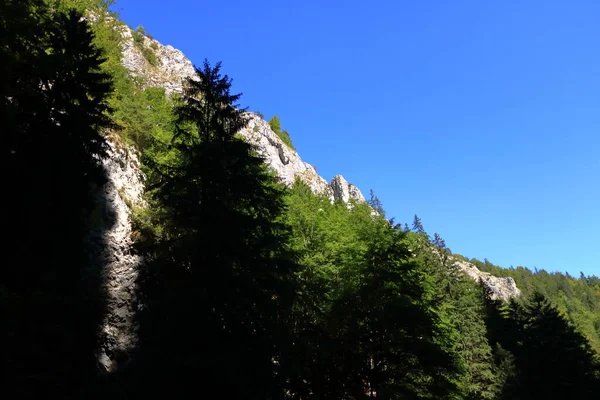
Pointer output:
x,y
219,280
461,303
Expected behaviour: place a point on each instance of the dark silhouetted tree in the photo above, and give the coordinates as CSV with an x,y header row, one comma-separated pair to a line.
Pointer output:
x,y
219,280
554,360
53,104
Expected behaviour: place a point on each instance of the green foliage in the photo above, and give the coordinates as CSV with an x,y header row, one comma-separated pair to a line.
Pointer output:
x,y
147,52
462,304
466,310
375,203
132,111
283,134
146,117
577,298
140,30
275,124
366,304
263,292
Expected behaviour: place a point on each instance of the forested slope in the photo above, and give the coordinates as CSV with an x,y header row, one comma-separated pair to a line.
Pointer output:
x,y
249,276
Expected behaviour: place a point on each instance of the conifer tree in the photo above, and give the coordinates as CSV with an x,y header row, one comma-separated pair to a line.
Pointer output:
x,y
554,360
417,226
220,280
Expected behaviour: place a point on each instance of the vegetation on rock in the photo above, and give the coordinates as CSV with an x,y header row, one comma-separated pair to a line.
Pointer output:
x,y
275,124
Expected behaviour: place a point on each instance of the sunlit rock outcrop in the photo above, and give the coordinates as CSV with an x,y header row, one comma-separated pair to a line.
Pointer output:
x,y
498,288
172,67
110,249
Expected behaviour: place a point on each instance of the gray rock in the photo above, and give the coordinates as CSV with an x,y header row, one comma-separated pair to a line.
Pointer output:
x,y
345,191
171,69
174,67
500,288
110,251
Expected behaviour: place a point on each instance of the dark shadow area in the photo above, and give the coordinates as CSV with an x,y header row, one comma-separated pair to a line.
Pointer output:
x,y
53,288
52,107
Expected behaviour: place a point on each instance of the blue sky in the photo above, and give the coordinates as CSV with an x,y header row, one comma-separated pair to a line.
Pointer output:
x,y
481,117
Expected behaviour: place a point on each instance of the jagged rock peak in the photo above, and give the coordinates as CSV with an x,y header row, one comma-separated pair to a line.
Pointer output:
x,y
499,288
344,190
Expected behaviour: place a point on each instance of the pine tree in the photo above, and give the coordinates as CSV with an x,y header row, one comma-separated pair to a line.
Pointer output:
x,y
220,280
375,203
460,302
481,380
275,124
417,225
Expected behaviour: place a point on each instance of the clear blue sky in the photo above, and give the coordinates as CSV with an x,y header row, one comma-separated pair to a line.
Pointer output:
x,y
481,117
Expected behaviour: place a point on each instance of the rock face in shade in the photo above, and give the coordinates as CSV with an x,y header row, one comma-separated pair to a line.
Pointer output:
x,y
110,250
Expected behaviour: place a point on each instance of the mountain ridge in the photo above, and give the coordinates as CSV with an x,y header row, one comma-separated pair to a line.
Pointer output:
x,y
172,67
125,186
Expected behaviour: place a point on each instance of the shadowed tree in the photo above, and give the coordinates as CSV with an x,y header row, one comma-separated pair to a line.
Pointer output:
x,y
554,360
219,280
540,353
53,104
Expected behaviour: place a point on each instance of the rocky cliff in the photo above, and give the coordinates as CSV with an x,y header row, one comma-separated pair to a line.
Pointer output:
x,y
110,250
172,67
499,288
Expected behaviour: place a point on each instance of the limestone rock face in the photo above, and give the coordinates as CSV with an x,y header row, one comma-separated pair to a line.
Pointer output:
x,y
173,67
345,191
500,288
111,251
286,163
